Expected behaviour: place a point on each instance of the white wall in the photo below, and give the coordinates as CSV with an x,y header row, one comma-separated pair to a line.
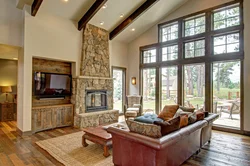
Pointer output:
x,y
49,37
192,6
119,56
11,23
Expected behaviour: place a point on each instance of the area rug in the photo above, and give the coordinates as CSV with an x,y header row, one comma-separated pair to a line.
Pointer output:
x,y
69,151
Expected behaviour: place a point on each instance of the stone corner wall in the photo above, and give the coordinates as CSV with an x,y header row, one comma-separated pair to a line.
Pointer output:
x,y
95,52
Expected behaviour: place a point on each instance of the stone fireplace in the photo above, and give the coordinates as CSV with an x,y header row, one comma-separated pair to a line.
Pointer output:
x,y
93,90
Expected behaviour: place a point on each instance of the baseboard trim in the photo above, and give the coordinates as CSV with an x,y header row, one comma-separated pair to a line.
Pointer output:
x,y
21,133
247,133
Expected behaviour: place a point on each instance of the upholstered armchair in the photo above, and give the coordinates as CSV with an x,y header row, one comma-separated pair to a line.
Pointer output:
x,y
133,106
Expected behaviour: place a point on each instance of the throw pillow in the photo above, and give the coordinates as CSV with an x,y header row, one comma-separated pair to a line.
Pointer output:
x,y
150,130
200,115
168,112
205,112
169,126
180,112
183,121
187,109
192,118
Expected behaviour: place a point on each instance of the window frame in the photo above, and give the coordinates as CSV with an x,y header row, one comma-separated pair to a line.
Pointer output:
x,y
208,59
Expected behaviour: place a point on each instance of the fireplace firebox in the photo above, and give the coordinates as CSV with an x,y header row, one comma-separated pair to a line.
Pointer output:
x,y
96,100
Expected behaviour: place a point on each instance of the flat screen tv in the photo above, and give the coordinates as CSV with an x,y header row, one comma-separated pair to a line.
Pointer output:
x,y
52,85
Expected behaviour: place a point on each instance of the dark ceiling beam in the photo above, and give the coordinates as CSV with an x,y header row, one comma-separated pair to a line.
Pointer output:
x,y
90,13
143,8
35,7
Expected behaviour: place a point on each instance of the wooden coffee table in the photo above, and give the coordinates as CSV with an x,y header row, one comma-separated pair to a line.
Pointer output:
x,y
99,136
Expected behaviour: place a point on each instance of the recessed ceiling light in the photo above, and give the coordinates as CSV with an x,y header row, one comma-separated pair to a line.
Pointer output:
x,y
15,58
133,29
102,22
104,6
65,0
122,15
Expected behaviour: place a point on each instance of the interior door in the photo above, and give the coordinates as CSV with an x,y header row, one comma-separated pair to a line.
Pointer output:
x,y
119,90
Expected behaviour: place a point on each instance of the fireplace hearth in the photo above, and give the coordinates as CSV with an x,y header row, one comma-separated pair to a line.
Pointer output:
x,y
96,100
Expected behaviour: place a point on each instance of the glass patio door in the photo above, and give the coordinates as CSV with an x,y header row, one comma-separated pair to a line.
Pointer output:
x,y
119,82
226,93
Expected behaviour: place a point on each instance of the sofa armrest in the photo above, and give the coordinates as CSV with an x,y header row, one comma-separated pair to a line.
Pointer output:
x,y
211,118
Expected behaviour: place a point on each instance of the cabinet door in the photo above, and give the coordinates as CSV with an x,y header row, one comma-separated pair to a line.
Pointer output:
x,y
58,112
48,118
37,120
67,116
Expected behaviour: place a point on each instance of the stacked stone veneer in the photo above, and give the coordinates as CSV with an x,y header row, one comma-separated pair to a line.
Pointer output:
x,y
95,75
95,52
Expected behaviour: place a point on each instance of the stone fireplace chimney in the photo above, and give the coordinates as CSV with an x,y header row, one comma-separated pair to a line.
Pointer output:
x,y
94,70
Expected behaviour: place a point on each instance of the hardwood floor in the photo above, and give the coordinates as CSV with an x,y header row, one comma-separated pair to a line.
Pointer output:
x,y
224,149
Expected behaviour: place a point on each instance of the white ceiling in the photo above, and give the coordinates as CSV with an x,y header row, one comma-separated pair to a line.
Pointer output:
x,y
75,9
8,52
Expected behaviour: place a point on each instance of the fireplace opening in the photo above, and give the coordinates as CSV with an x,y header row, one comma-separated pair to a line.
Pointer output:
x,y
96,100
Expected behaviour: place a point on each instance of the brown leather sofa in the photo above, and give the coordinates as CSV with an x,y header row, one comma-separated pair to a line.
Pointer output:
x,y
170,150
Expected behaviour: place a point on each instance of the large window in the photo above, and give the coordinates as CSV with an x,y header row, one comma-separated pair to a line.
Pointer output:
x,y
194,85
195,26
148,89
195,49
197,63
169,85
149,56
169,32
169,53
226,44
227,17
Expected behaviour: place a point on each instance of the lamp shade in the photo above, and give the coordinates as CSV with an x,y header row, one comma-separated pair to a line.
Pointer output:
x,y
6,89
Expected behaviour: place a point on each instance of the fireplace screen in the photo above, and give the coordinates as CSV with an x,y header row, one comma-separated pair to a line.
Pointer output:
x,y
96,100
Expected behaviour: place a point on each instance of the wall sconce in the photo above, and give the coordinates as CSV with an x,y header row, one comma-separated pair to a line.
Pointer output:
x,y
133,80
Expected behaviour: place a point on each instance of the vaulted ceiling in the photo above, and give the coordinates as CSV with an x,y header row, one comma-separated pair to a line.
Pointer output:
x,y
110,17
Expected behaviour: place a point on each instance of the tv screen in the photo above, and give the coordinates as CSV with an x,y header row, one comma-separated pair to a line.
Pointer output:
x,y
49,85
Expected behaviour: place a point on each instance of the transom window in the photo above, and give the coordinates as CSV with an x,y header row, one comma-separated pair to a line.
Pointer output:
x,y
195,26
195,49
170,53
226,18
226,44
149,56
169,32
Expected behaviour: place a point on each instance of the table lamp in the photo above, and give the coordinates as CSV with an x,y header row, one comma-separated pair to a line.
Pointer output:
x,y
6,89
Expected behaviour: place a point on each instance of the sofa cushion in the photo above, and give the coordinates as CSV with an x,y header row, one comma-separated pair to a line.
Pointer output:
x,y
183,121
169,126
148,118
192,118
150,130
131,113
180,112
168,112
187,109
133,109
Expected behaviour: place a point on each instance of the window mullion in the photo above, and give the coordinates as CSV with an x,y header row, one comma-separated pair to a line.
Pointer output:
x,y
157,90
180,57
